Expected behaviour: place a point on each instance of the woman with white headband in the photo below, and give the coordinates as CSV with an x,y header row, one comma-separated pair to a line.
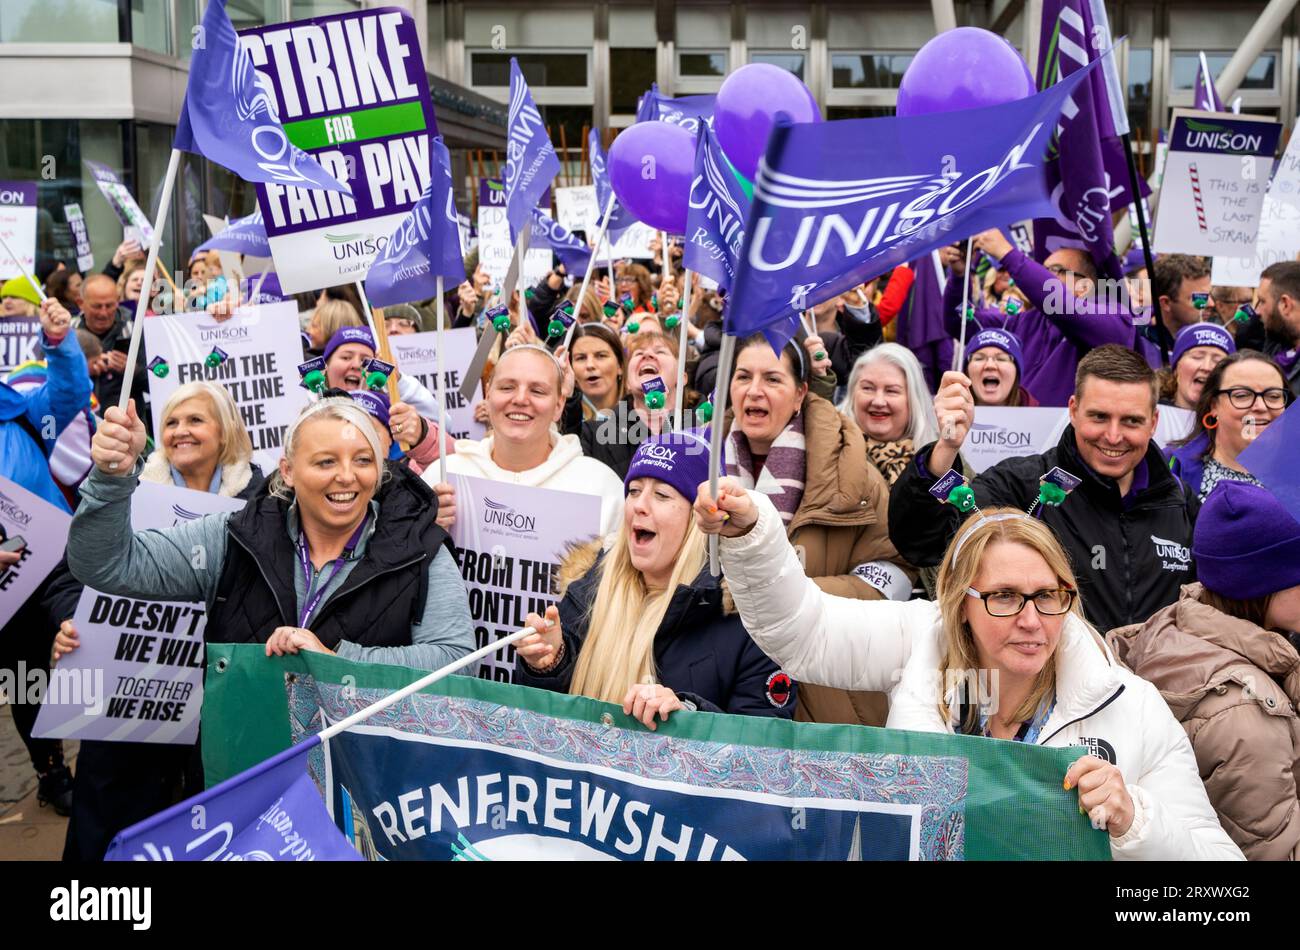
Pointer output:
x,y
1003,652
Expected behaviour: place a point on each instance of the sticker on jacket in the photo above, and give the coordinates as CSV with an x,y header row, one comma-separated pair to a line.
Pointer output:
x,y
886,577
1173,556
1099,748
779,688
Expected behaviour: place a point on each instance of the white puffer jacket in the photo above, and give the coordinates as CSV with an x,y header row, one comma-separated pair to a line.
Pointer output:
x,y
885,645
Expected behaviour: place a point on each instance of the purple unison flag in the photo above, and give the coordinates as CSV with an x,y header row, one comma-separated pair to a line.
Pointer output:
x,y
1207,97
243,236
620,218
818,228
531,162
425,246
1088,173
230,116
549,233
1274,458
271,812
715,215
686,111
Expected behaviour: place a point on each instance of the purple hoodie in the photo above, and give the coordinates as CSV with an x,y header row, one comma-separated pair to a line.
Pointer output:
x,y
1053,344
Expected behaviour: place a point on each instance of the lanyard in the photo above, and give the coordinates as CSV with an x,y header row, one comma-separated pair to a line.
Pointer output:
x,y
316,584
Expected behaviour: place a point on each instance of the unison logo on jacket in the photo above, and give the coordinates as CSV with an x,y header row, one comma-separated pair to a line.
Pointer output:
x,y
1173,556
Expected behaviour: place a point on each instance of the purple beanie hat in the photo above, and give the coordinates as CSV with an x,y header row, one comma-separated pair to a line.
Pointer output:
x,y
679,458
374,403
1001,339
1201,334
1246,545
345,335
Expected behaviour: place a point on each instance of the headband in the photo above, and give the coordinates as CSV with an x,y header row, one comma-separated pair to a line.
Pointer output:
x,y
983,519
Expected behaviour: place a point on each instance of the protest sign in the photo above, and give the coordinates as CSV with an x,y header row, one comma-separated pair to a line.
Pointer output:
x,y
509,542
496,248
1174,425
473,770
20,338
575,209
1215,177
80,237
262,348
415,355
138,674
1279,227
352,92
633,243
134,222
18,227
37,528
1003,432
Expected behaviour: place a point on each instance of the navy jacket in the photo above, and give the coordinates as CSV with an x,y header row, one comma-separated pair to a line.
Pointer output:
x,y
702,652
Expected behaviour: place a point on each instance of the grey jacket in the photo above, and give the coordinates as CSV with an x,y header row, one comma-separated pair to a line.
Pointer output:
x,y
185,563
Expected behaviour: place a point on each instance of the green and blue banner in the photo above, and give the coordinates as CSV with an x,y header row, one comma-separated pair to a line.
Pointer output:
x,y
475,770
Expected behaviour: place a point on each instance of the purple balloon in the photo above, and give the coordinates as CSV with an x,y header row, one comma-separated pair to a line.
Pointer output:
x,y
650,168
746,109
965,68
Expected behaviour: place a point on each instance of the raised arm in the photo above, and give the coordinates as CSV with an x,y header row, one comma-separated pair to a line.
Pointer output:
x,y
816,637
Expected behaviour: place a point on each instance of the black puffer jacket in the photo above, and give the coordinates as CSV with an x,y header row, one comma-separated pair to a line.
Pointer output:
x,y
615,439
1130,562
702,650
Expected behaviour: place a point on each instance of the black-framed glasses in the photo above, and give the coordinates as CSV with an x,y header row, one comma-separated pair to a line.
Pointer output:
x,y
1051,602
1243,397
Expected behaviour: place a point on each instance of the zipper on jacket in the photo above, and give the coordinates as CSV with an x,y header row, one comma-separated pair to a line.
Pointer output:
x,y
1113,696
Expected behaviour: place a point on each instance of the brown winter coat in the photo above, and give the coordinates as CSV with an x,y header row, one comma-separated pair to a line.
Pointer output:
x,y
1235,688
842,521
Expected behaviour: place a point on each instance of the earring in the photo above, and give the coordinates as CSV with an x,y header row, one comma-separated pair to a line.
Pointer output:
x,y
1210,421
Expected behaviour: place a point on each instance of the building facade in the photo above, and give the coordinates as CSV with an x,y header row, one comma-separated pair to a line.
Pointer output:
x,y
104,79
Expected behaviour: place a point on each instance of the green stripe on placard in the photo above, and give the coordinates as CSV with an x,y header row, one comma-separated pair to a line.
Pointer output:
x,y
382,121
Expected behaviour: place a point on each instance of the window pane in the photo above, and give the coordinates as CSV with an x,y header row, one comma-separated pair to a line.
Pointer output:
x,y
791,62
1261,75
24,143
702,64
868,70
40,21
631,71
859,112
246,13
567,126
540,69
1139,88
151,25
302,9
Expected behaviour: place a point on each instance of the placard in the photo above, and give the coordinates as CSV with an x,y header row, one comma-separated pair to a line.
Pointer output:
x,y
80,238
352,92
1279,227
43,529
18,227
20,339
262,347
135,224
416,356
1215,177
1003,432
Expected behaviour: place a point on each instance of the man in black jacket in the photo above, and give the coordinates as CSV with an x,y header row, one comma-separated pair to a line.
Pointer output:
x,y
1127,527
1279,308
103,315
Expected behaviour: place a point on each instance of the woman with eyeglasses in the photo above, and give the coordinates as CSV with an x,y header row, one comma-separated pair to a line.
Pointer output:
x,y
993,363
1243,394
1007,610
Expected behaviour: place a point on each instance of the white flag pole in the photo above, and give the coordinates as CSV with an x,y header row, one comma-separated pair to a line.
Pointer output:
x,y
26,273
663,244
959,356
440,390
151,265
425,681
721,388
369,314
683,311
586,278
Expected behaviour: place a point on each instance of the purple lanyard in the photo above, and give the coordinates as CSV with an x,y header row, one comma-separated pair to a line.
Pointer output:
x,y
314,592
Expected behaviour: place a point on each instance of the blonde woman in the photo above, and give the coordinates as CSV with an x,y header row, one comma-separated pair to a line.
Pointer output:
x,y
203,444
646,625
1003,652
329,317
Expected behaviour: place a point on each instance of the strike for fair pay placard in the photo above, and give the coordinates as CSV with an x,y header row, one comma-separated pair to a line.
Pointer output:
x,y
353,93
509,542
138,674
416,355
259,348
1216,174
36,528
